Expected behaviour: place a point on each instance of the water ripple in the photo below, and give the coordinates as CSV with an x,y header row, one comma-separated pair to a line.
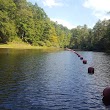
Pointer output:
x,y
57,80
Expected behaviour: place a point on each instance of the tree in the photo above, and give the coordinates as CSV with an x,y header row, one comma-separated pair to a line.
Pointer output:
x,y
7,23
79,37
99,35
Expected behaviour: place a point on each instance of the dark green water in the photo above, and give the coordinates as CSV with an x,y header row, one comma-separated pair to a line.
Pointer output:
x,y
52,80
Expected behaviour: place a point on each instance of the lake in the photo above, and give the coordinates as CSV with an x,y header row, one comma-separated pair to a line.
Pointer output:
x,y
52,80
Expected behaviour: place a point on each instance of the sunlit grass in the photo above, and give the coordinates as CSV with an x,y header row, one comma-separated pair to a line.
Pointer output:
x,y
24,46
20,46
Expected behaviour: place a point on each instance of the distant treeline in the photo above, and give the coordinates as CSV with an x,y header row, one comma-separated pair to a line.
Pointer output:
x,y
97,39
22,20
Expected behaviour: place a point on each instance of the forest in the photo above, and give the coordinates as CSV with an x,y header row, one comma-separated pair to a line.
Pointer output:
x,y
22,20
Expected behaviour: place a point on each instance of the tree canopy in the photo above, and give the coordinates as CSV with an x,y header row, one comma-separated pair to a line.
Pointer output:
x,y
22,19
28,22
97,39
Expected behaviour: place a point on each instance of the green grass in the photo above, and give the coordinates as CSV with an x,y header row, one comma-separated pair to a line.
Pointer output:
x,y
20,46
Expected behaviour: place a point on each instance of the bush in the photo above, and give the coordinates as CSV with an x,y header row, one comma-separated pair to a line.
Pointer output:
x,y
48,43
41,43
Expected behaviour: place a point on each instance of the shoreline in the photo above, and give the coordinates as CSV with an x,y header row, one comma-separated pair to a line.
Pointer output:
x,y
24,46
19,46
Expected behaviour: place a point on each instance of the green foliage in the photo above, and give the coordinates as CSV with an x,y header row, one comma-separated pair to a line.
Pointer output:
x,y
97,39
48,43
22,20
80,37
41,43
7,24
100,36
29,23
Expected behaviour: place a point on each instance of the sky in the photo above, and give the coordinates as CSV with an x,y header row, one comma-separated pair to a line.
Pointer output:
x,y
72,13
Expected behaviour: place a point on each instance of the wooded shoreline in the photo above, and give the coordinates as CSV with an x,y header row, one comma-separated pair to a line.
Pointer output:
x,y
23,46
29,24
28,46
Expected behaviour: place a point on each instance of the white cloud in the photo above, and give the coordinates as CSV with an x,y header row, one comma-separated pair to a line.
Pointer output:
x,y
51,3
63,22
99,7
101,15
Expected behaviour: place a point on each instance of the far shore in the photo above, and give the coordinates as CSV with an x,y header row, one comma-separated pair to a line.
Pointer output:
x,y
24,46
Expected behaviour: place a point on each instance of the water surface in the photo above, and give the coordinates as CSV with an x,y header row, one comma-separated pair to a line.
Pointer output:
x,y
52,80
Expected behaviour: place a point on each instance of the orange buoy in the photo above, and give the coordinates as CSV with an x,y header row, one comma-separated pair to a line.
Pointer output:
x,y
91,70
106,101
106,94
84,61
78,55
81,58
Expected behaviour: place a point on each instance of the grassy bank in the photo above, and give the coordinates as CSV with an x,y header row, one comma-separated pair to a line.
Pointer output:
x,y
24,46
19,46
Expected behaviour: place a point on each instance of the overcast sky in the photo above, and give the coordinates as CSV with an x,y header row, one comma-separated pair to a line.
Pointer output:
x,y
72,13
